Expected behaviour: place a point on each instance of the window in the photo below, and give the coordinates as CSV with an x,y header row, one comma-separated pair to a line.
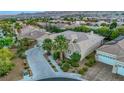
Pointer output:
x,y
106,56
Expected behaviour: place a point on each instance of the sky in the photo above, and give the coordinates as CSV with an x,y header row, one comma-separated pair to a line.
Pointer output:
x,y
15,12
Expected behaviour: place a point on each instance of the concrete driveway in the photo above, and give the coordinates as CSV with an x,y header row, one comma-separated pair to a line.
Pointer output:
x,y
41,68
102,72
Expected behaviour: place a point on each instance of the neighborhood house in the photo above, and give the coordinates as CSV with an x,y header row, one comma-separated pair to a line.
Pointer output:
x,y
112,54
84,43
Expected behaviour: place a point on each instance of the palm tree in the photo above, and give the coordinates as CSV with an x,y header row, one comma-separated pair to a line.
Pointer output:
x,y
47,45
60,45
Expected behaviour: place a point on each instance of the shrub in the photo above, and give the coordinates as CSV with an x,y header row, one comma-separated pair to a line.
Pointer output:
x,y
75,57
50,63
5,67
74,64
104,31
56,55
73,71
53,66
83,28
55,70
23,56
90,63
54,29
5,53
65,67
26,67
81,71
60,64
85,68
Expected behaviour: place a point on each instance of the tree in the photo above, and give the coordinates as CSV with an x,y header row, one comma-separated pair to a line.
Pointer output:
x,y
5,53
60,45
120,30
18,26
82,28
5,63
54,29
7,41
5,67
114,34
113,24
104,31
104,24
47,44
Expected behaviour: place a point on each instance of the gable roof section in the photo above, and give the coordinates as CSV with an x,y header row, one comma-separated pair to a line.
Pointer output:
x,y
115,48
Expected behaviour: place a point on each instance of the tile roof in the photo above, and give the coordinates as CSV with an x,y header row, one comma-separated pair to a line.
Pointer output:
x,y
116,48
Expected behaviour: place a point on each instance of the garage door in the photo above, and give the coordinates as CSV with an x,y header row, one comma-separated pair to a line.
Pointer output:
x,y
120,70
106,60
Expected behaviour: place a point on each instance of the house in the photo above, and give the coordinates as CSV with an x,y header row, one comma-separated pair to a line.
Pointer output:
x,y
81,42
1,33
112,54
31,32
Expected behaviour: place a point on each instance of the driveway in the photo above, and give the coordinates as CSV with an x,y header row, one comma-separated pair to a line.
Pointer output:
x,y
102,72
41,68
38,64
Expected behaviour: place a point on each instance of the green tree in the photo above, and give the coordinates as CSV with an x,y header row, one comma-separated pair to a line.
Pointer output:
x,y
5,53
114,34
47,44
104,31
5,66
120,30
18,26
60,45
113,24
104,24
7,41
54,29
82,28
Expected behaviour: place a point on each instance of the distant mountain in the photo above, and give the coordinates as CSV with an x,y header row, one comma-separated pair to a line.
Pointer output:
x,y
66,13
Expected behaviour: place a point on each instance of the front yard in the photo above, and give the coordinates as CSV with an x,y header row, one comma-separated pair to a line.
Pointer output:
x,y
96,71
